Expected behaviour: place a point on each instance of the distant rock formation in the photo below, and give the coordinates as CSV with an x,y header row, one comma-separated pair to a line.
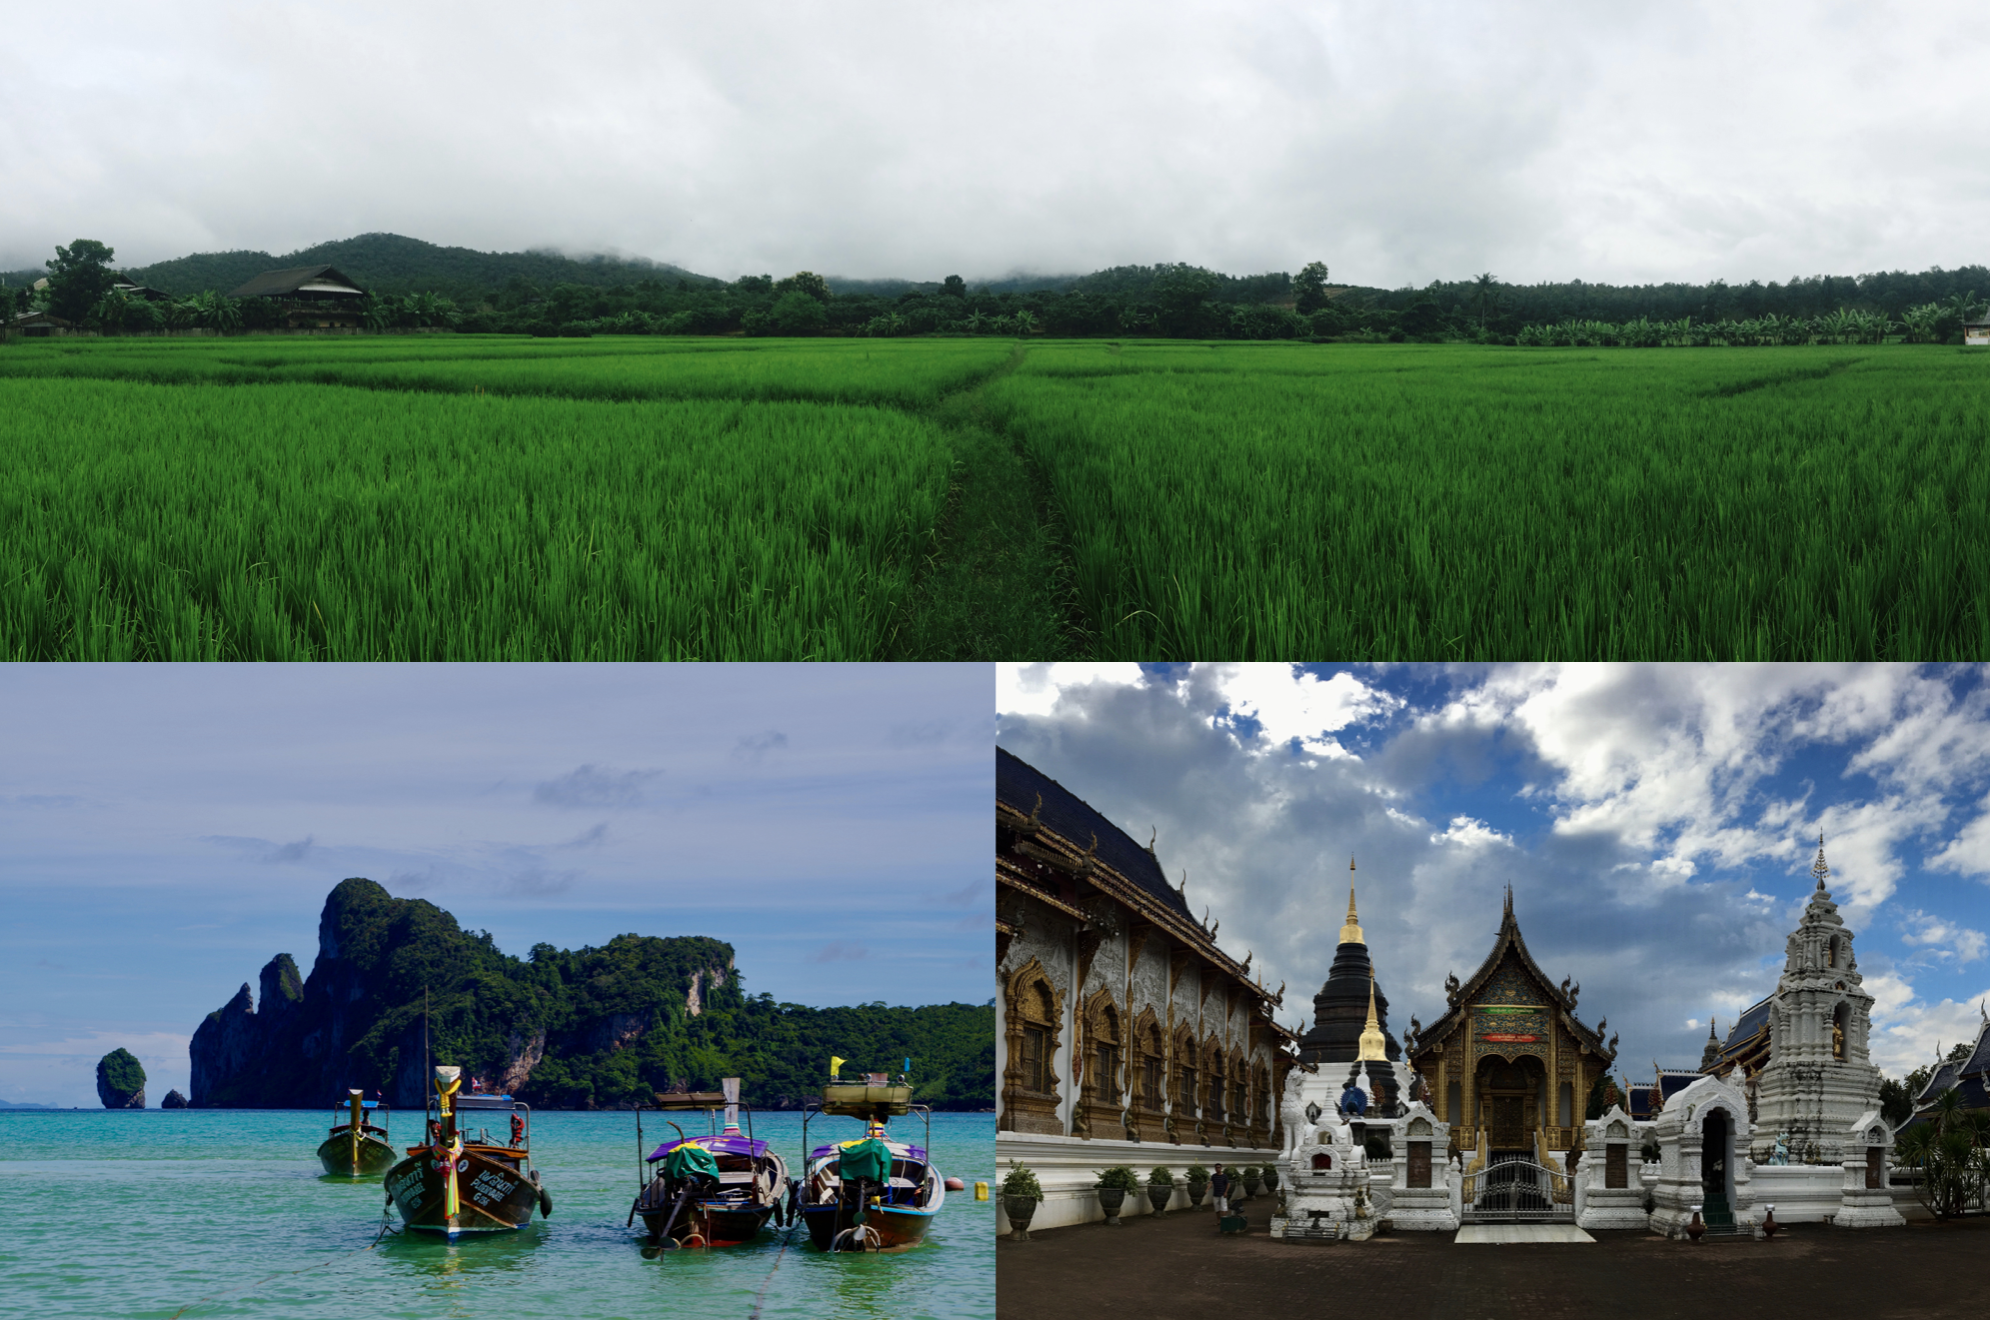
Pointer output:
x,y
173,1100
121,1080
357,1020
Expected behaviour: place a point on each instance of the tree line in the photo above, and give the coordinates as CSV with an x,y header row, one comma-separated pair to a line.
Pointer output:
x,y
1165,301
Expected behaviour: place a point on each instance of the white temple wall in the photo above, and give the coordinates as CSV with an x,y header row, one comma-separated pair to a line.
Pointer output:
x,y
1067,1168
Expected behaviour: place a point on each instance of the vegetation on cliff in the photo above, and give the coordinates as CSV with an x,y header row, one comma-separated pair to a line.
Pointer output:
x,y
588,1028
121,1080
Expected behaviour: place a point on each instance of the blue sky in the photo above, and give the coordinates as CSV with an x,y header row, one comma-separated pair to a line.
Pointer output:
x,y
1657,824
171,828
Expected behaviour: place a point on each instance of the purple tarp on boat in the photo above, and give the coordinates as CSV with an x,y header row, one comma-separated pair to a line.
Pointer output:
x,y
720,1145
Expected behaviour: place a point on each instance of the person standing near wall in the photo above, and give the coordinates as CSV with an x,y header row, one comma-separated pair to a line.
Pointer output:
x,y
1219,1188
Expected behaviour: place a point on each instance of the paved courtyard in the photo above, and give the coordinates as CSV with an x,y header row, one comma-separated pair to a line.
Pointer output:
x,y
1180,1266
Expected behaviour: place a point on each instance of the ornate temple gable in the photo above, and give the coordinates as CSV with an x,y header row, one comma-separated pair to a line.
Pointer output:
x,y
1071,874
1510,981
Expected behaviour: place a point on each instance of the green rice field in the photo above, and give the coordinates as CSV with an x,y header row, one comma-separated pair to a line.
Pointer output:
x,y
429,497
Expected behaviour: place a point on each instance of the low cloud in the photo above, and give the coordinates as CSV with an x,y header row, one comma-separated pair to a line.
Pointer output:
x,y
538,882
840,951
917,735
595,786
592,838
756,746
971,892
290,852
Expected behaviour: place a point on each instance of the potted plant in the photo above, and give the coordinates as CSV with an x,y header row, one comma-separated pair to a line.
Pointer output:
x,y
1253,1179
1020,1195
1160,1188
1198,1184
1112,1187
1271,1177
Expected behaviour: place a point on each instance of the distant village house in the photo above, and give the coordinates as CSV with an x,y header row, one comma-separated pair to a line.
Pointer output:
x,y
309,297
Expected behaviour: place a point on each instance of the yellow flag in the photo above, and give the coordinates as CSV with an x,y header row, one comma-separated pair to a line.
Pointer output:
x,y
835,1066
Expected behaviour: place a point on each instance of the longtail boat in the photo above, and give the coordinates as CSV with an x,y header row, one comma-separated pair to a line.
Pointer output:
x,y
869,1193
358,1148
714,1190
457,1184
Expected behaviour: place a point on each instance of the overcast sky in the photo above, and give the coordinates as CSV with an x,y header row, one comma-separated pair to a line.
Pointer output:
x,y
1398,142
169,829
1657,824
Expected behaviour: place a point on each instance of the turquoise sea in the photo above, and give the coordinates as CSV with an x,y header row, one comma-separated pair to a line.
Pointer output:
x,y
144,1213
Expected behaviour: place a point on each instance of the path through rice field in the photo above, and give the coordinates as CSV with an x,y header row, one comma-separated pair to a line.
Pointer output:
x,y
461,497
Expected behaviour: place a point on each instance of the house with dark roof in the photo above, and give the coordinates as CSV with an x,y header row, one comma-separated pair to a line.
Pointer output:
x,y
310,297
1126,1034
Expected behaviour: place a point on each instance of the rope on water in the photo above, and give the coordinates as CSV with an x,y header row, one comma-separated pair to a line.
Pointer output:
x,y
786,1237
386,1227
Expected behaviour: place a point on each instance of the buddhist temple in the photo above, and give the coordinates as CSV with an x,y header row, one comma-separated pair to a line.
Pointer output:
x,y
1799,1055
1351,1015
1509,1065
1126,1035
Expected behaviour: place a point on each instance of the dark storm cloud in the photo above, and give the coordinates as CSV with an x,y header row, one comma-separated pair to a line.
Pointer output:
x,y
1401,142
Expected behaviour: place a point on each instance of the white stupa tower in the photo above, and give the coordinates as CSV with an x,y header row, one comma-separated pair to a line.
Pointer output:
x,y
1818,1080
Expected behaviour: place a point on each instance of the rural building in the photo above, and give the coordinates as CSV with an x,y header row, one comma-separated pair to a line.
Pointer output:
x,y
1977,332
310,297
39,325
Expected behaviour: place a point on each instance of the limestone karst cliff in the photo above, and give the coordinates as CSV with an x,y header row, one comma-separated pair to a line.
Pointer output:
x,y
357,1019
589,1028
121,1080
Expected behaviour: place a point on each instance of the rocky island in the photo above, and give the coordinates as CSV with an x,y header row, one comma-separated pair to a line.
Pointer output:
x,y
592,1028
121,1080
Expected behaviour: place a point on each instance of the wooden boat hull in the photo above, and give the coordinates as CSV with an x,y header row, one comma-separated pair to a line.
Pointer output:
x,y
370,1158
718,1223
891,1227
494,1195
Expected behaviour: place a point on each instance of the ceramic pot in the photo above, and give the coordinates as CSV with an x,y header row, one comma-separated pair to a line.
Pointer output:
x,y
1158,1196
1020,1209
1110,1199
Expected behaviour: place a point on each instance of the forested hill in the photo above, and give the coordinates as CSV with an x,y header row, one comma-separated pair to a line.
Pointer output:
x,y
391,264
591,1028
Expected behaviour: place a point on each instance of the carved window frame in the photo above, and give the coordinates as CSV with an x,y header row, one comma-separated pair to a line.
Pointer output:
x,y
1147,1045
1029,981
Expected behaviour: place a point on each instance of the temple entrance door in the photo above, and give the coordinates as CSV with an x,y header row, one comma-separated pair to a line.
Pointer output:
x,y
1716,1155
1508,1092
1506,1124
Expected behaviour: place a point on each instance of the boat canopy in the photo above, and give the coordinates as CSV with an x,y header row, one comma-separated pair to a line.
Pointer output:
x,y
478,1100
725,1144
898,1151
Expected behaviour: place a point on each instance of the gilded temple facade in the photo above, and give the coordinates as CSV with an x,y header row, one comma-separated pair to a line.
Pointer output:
x,y
1126,1034
1509,1061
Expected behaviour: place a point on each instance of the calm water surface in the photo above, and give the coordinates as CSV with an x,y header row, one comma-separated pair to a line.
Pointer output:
x,y
140,1214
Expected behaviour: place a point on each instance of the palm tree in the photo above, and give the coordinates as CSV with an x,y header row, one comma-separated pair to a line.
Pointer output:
x,y
1486,285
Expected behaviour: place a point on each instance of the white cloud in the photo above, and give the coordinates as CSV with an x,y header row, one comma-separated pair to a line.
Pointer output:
x,y
1468,833
1291,704
1036,689
1907,1032
1941,938
1968,853
1400,142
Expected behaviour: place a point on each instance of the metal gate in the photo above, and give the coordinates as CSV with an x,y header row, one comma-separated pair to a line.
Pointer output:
x,y
1515,1190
